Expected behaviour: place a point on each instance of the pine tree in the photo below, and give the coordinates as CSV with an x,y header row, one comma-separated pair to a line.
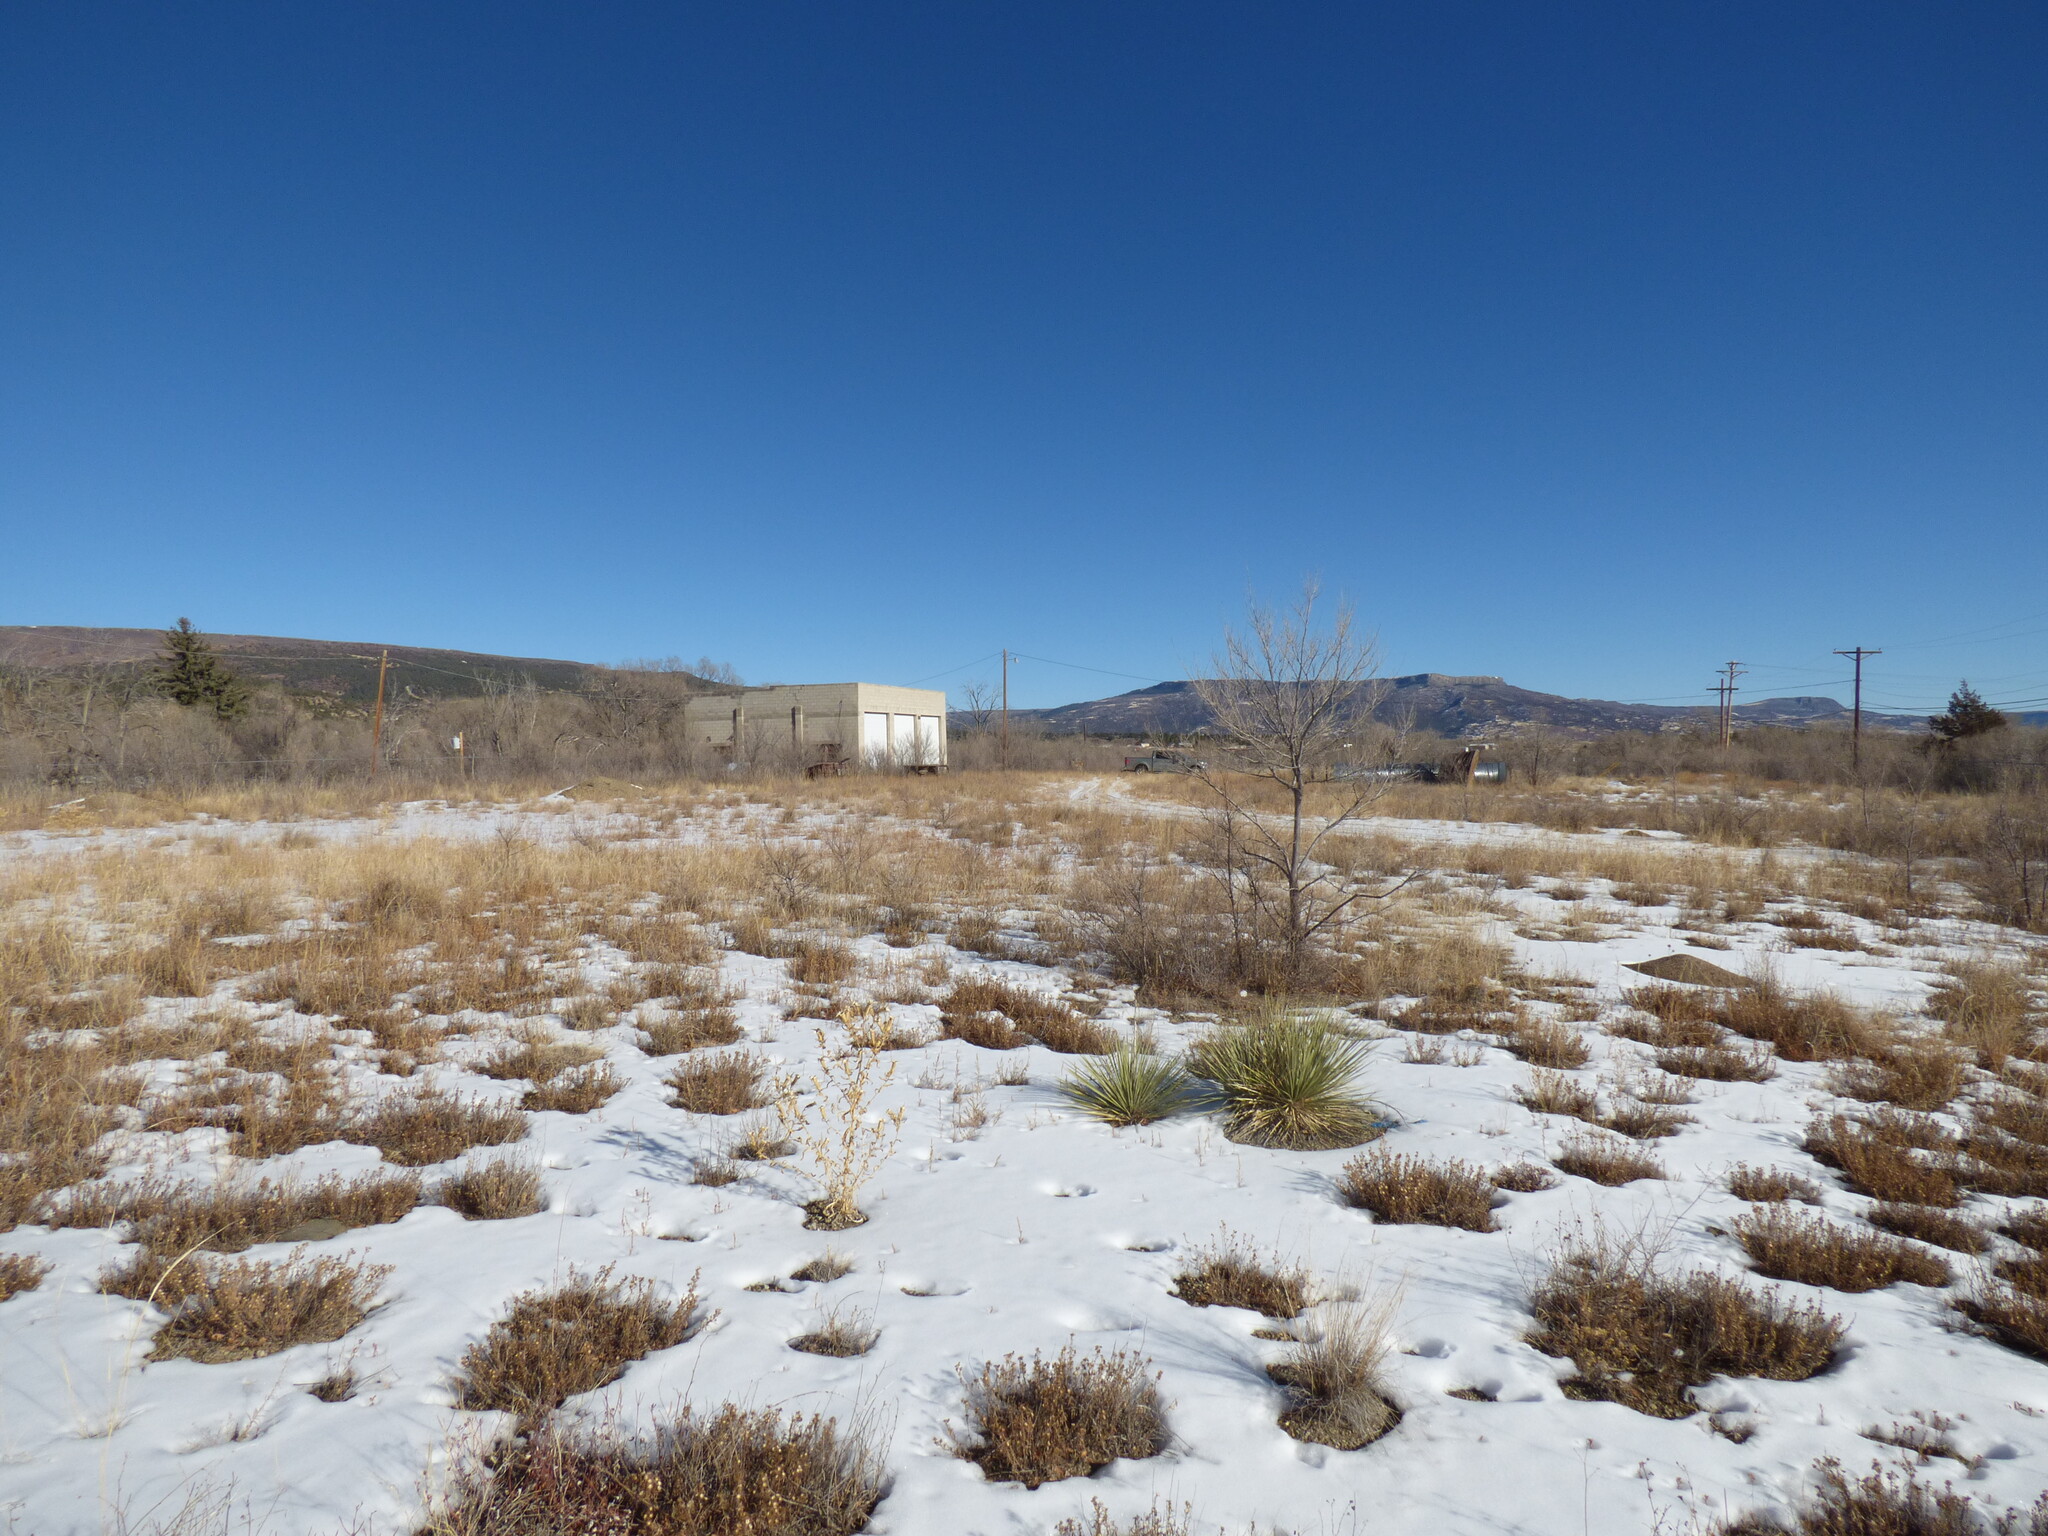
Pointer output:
x,y
1967,715
190,672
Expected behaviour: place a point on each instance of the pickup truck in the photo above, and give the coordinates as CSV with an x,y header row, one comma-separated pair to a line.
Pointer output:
x,y
1164,762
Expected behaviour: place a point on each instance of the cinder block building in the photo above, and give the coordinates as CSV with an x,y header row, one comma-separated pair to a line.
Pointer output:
x,y
870,724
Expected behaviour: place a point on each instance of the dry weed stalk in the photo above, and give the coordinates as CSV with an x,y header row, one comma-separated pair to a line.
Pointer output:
x,y
835,1126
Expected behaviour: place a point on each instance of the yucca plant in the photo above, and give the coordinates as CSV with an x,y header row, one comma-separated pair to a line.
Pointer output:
x,y
1126,1087
1289,1082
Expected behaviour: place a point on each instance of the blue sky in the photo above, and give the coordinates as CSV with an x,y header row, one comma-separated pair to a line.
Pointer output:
x,y
1589,345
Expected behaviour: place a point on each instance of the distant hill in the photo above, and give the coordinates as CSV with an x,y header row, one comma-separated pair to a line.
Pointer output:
x,y
336,670
1439,704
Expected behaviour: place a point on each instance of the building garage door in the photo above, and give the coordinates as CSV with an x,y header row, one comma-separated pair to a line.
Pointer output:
x,y
874,738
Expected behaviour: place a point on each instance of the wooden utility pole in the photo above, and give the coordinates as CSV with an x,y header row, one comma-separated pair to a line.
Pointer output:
x,y
1856,728
1728,691
1006,709
377,729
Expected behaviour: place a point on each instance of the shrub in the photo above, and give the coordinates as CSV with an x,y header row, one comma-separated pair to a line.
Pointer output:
x,y
1770,1184
1037,1421
718,1085
1808,1248
692,1029
246,1308
1126,1087
737,1472
1410,1189
1288,1083
983,1011
575,1093
822,963
1644,1122
1644,1339
20,1272
1605,1161
1718,1063
1929,1226
1154,1522
2029,1227
1885,1503
1234,1273
1524,1178
1546,1043
1552,1093
1801,1028
500,1190
1335,1379
2008,1315
1917,1076
1987,1008
553,1344
839,1334
1869,1152
172,1218
538,1060
419,1128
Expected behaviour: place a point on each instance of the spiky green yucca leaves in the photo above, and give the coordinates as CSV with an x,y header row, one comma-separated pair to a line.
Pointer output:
x,y
1127,1087
1288,1082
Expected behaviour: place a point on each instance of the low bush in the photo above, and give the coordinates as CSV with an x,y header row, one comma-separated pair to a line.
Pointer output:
x,y
1922,1075
502,1189
692,1029
1038,1421
1411,1189
20,1272
980,1010
1232,1272
1605,1161
1524,1178
1335,1379
415,1129
1719,1063
738,1472
1127,1087
538,1059
1801,1028
1808,1248
1987,1006
552,1344
822,963
1546,1043
171,1218
1771,1184
1886,1502
246,1308
1875,1155
577,1092
1552,1093
1644,1339
728,1084
1288,1082
2009,1316
2029,1226
1928,1225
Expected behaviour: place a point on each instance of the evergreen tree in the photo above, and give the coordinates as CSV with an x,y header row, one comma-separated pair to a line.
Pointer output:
x,y
190,672
1967,715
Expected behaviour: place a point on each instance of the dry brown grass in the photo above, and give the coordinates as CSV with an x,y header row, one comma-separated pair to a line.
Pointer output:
x,y
737,1472
1038,1421
2029,1227
728,1084
1233,1272
1886,1502
553,1343
1718,1063
1644,1339
1807,1247
840,1334
1545,1042
1875,1153
501,1189
1926,1224
1818,1028
1987,1007
20,1272
1411,1189
169,1218
1771,1184
1553,1093
1606,1161
1335,1378
1524,1178
577,1092
664,941
1916,1075
822,963
246,1308
537,1059
998,1015
2008,1315
416,1129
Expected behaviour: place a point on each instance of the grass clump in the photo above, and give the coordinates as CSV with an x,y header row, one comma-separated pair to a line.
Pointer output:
x,y
1126,1087
1800,1028
1887,1502
1546,1043
718,1085
552,1344
20,1272
1232,1272
1875,1153
1335,1379
247,1308
1807,1247
500,1190
1771,1184
575,1093
1918,1075
1928,1225
170,1218
842,1335
1411,1189
1523,1178
415,1129
1987,1007
1289,1082
996,1015
736,1472
2009,1315
1605,1161
1644,1339
1038,1421
1719,1063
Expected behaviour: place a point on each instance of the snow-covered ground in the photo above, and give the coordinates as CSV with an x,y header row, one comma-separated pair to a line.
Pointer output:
x,y
1037,1229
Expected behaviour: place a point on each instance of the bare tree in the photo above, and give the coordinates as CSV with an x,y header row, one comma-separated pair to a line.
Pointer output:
x,y
1287,696
978,702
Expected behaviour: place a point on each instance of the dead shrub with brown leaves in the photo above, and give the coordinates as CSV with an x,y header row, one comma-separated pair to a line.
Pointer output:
x,y
1987,1007
1606,1161
246,1308
1233,1272
1927,1225
2009,1315
1405,1189
1037,1421
577,1092
1523,1178
738,1472
727,1084
1807,1247
1771,1184
20,1272
1643,1339
1801,1028
416,1129
502,1189
997,1015
1875,1153
553,1343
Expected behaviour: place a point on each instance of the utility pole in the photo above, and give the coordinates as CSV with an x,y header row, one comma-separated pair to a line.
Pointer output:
x,y
1728,691
377,729
1006,709
1856,729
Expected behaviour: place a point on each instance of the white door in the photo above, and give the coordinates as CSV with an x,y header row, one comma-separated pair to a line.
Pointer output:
x,y
904,742
928,741
874,739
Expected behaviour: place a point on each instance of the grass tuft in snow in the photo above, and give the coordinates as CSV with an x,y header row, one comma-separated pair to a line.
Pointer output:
x,y
1412,1189
1233,1272
1127,1087
499,1190
1335,1378
1038,1421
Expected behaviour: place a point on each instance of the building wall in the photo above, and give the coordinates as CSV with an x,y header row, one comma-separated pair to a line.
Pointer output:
x,y
874,723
